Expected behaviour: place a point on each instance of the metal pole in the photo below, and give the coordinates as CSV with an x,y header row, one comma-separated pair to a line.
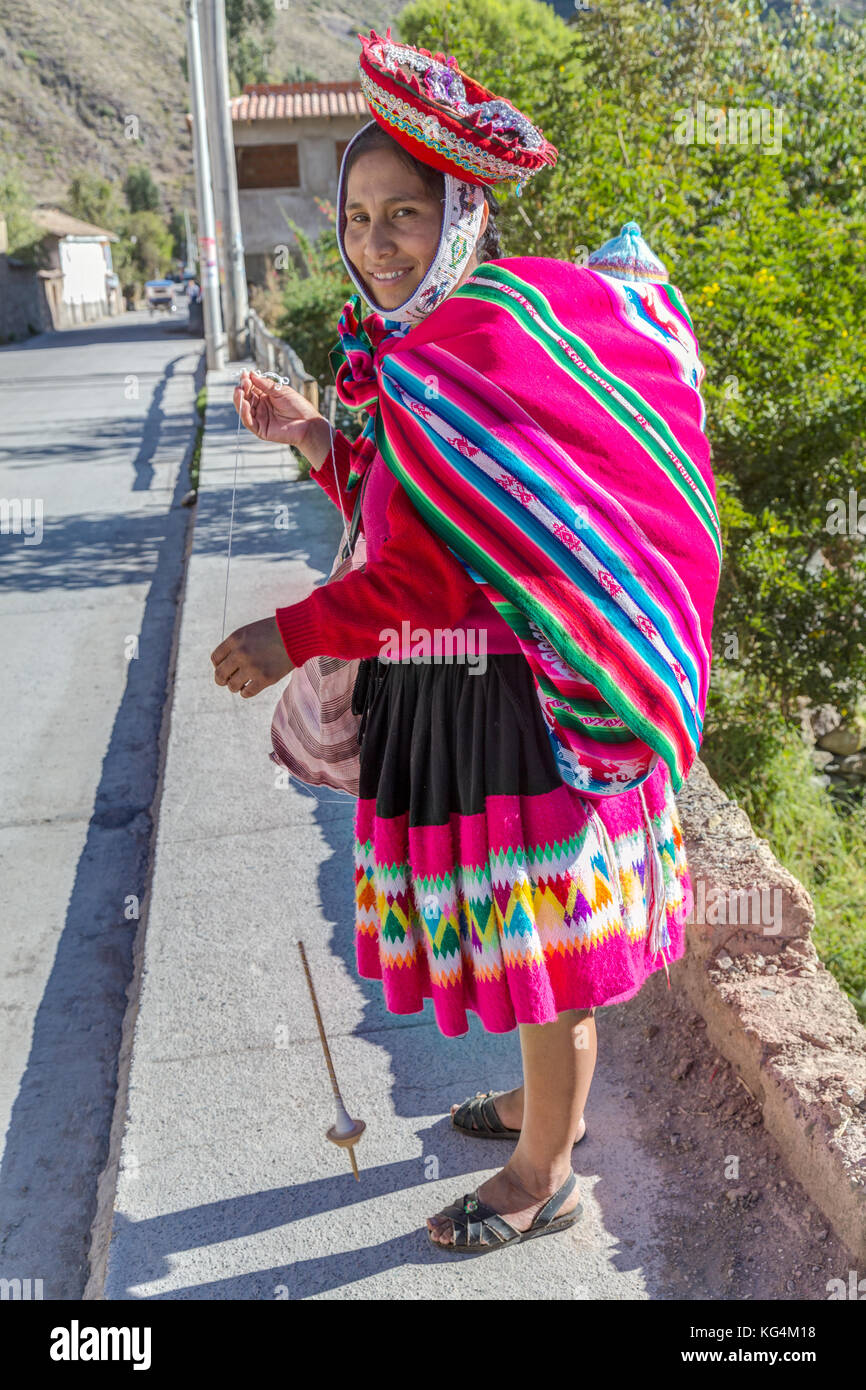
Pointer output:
x,y
235,266
191,263
215,351
214,144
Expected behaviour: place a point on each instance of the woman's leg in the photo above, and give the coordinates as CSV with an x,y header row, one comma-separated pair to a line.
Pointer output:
x,y
558,1063
509,1107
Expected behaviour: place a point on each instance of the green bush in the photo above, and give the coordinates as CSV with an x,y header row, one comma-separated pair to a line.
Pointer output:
x,y
24,237
313,296
762,761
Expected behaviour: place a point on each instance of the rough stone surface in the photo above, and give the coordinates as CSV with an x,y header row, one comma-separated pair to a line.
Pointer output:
x,y
794,1037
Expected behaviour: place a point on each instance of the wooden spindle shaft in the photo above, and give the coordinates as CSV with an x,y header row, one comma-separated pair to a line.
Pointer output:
x,y
345,1141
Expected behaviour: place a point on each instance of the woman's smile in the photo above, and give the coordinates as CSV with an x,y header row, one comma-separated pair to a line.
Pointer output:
x,y
388,275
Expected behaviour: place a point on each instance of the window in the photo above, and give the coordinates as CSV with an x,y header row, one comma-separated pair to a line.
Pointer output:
x,y
268,166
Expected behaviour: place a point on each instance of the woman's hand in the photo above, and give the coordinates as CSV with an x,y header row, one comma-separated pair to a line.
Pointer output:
x,y
279,414
251,658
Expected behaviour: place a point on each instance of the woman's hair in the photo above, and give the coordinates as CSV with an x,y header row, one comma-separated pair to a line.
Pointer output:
x,y
488,247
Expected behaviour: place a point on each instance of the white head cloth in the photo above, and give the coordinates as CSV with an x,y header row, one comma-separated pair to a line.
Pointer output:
x,y
461,224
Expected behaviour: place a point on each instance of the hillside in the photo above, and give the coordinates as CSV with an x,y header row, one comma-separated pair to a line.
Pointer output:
x,y
72,75
69,76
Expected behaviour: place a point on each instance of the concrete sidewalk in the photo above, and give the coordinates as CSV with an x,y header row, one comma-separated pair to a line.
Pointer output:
x,y
226,1186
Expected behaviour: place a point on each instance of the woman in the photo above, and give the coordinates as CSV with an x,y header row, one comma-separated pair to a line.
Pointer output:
x,y
500,868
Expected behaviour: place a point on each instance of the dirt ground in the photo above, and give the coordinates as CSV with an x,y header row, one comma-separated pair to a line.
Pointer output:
x,y
738,1226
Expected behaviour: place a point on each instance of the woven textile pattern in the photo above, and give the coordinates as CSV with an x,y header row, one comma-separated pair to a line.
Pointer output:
x,y
501,914
546,421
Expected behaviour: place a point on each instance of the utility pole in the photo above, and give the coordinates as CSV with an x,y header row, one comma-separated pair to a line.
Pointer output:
x,y
236,274
215,348
224,172
205,29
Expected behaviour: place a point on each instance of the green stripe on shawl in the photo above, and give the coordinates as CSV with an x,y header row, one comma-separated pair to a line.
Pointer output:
x,y
496,296
561,640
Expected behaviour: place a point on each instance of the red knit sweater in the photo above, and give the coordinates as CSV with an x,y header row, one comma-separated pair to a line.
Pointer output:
x,y
410,576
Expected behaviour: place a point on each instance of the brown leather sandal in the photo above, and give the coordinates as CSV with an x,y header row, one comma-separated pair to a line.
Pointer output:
x,y
477,1117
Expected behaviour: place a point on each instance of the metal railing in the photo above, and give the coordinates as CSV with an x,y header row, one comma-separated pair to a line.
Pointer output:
x,y
271,354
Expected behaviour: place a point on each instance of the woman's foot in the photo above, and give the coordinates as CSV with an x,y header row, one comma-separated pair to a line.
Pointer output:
x,y
517,1196
509,1108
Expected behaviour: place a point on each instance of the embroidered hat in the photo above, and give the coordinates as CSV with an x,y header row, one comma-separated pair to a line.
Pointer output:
x,y
456,126
444,118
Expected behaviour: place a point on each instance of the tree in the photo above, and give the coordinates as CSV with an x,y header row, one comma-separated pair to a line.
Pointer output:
x,y
250,40
764,233
142,194
152,248
24,237
95,199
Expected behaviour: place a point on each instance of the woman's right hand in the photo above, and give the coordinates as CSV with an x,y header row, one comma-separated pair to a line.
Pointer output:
x,y
279,414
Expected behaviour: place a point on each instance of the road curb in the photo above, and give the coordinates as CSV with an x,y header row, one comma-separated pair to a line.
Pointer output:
x,y
106,1188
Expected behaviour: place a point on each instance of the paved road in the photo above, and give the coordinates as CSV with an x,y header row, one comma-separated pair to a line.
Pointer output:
x,y
96,425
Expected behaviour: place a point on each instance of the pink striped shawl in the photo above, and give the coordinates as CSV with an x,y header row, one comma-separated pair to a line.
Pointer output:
x,y
546,421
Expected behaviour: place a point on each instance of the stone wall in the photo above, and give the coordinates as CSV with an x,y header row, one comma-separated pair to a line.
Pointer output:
x,y
24,307
771,1007
838,744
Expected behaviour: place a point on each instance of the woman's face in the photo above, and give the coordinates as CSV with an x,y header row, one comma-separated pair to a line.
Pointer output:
x,y
392,226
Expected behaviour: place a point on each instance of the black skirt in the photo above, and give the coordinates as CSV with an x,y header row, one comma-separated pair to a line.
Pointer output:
x,y
439,738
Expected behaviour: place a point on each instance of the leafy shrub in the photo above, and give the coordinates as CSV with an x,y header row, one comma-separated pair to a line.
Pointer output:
x,y
767,240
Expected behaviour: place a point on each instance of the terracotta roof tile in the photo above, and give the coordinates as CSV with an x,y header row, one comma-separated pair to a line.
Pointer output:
x,y
280,101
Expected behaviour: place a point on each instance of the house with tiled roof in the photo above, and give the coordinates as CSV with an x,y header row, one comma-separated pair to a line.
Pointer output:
x,y
75,282
289,139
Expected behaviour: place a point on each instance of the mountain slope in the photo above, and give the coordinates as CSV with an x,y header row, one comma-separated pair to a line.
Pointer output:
x,y
71,76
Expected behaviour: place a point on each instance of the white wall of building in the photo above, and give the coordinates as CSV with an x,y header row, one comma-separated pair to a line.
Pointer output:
x,y
83,266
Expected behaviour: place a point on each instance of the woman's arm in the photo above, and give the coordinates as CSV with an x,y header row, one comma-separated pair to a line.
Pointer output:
x,y
413,578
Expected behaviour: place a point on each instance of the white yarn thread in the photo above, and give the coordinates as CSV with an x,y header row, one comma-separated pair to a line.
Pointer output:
x,y
231,521
282,381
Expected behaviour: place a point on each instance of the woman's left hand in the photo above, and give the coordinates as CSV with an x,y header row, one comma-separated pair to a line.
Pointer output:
x,y
251,658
